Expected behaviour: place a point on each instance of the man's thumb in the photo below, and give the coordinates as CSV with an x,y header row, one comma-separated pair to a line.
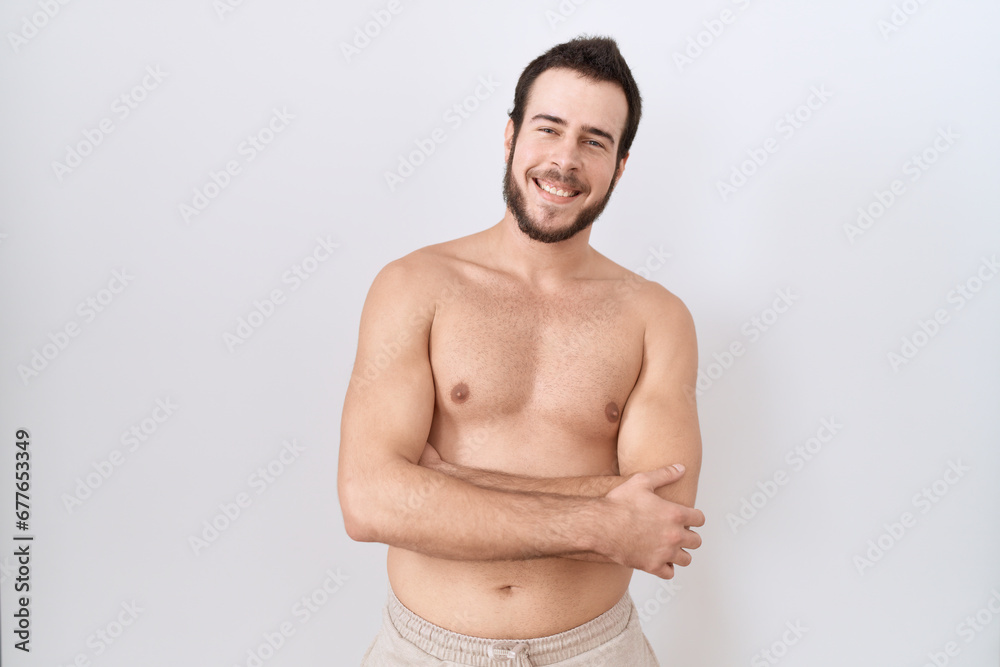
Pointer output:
x,y
663,476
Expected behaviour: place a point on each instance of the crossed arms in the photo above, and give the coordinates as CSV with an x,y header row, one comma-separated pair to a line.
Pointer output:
x,y
394,489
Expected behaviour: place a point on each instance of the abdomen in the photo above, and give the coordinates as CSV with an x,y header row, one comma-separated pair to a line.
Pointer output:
x,y
505,599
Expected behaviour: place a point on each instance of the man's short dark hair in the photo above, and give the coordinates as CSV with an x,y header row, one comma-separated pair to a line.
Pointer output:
x,y
596,58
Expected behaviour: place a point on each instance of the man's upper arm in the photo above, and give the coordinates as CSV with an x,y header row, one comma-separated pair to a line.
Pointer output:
x,y
660,421
390,399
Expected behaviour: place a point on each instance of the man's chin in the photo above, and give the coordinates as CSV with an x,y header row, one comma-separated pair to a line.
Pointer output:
x,y
552,234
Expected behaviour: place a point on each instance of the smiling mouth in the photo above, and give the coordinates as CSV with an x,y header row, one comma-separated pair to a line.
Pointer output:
x,y
556,191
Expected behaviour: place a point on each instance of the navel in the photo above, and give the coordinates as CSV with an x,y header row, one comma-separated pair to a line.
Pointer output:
x,y
611,411
460,392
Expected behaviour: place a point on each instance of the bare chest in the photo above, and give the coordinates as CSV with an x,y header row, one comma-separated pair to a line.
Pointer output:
x,y
557,367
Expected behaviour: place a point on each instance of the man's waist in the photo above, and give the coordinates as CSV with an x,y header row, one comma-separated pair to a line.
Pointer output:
x,y
526,598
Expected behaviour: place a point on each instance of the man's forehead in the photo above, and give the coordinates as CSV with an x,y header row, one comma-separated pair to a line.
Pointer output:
x,y
578,100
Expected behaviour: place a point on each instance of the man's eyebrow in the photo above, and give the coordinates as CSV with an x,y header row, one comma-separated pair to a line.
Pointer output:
x,y
586,128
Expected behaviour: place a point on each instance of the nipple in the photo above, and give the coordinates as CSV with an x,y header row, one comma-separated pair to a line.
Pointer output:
x,y
611,411
460,392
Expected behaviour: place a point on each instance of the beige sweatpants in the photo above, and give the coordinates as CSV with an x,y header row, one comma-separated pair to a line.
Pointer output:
x,y
613,639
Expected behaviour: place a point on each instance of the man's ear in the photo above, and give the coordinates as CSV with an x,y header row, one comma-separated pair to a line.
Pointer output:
x,y
508,137
621,168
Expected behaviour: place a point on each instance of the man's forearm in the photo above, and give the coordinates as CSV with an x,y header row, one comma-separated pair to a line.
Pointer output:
x,y
431,512
590,486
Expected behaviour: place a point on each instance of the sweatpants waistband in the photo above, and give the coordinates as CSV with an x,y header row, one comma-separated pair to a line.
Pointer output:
x,y
447,645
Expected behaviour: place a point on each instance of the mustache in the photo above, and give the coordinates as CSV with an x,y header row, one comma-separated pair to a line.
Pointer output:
x,y
566,179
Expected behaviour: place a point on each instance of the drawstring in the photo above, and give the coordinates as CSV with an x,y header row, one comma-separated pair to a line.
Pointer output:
x,y
509,652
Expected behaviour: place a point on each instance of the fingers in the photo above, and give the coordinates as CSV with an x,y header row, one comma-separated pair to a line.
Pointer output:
x,y
688,540
691,517
695,540
654,479
665,571
677,553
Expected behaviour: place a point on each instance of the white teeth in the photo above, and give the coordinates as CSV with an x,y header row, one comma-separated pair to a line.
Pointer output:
x,y
561,193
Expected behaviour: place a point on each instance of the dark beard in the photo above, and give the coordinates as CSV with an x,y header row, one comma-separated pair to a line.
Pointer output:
x,y
513,196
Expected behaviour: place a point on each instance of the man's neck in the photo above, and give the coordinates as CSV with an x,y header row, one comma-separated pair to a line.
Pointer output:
x,y
539,264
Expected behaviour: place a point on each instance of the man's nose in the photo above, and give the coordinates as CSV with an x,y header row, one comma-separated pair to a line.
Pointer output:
x,y
566,153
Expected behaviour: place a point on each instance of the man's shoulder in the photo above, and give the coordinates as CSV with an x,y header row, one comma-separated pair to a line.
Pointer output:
x,y
425,272
652,299
662,315
440,257
667,320
660,303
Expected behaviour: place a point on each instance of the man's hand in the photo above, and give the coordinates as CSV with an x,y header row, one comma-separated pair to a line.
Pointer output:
x,y
648,532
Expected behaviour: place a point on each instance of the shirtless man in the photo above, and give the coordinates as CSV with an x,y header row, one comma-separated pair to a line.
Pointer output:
x,y
517,402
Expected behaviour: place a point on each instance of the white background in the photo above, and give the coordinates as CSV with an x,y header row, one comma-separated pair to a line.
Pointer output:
x,y
160,335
